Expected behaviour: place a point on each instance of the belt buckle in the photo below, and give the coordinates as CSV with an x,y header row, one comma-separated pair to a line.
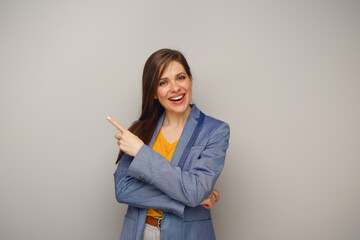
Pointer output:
x,y
159,223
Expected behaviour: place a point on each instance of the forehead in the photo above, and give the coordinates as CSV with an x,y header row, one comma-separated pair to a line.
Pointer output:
x,y
172,69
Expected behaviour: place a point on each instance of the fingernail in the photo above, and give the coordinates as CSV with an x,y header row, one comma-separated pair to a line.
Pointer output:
x,y
108,117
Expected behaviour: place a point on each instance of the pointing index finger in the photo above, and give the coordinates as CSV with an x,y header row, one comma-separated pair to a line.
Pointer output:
x,y
116,124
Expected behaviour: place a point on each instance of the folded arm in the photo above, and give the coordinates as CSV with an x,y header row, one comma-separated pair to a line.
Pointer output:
x,y
191,186
141,194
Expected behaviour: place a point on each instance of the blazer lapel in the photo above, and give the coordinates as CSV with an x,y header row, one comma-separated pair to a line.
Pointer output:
x,y
186,134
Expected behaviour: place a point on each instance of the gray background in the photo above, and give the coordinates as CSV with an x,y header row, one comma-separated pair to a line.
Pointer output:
x,y
284,74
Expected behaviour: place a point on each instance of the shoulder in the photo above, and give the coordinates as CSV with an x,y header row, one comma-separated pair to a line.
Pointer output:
x,y
211,121
212,124
214,131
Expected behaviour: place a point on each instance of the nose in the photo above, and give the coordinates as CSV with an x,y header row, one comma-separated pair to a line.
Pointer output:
x,y
175,86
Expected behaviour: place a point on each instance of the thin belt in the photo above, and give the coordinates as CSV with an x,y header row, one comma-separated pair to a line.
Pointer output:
x,y
154,221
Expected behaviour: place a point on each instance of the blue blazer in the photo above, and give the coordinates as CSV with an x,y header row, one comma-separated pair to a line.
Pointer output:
x,y
151,181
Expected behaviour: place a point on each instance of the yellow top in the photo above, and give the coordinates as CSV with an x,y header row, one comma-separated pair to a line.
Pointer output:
x,y
166,149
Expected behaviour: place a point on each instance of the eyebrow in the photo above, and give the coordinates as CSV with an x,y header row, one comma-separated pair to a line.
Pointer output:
x,y
175,75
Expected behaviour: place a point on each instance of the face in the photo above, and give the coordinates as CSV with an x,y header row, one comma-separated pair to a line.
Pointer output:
x,y
174,89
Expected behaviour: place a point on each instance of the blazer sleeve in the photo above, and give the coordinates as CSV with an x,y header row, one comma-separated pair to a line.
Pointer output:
x,y
190,186
141,194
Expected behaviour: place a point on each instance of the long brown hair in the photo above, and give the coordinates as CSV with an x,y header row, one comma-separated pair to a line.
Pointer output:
x,y
152,110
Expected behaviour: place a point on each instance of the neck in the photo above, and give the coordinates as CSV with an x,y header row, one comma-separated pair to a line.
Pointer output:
x,y
176,120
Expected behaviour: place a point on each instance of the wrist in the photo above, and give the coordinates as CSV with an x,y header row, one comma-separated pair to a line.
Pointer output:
x,y
138,149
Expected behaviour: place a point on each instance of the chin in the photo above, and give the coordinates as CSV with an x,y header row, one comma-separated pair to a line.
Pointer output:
x,y
181,109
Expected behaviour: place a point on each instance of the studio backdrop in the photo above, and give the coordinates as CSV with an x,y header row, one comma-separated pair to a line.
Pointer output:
x,y
284,74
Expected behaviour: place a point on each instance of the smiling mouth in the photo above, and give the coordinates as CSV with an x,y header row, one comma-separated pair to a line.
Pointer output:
x,y
175,99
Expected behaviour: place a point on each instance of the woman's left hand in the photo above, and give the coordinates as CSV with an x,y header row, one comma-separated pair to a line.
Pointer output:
x,y
210,201
127,141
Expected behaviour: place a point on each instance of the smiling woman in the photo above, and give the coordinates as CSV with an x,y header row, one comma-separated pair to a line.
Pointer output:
x,y
174,91
174,94
170,158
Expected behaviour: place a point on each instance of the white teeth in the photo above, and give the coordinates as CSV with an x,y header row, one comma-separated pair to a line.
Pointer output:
x,y
177,98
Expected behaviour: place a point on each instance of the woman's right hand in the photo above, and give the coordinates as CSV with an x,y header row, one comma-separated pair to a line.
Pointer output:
x,y
127,141
210,201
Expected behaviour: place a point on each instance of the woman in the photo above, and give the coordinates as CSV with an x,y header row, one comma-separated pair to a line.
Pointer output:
x,y
170,158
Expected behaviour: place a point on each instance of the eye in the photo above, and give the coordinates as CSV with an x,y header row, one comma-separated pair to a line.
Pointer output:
x,y
162,83
181,78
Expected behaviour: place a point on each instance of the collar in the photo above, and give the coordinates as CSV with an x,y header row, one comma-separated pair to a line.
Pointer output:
x,y
186,134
